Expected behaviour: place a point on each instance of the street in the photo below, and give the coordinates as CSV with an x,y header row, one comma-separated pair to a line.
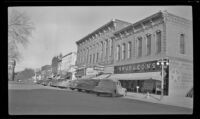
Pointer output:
x,y
25,99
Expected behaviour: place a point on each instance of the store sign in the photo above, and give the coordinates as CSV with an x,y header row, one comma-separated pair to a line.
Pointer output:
x,y
137,68
91,71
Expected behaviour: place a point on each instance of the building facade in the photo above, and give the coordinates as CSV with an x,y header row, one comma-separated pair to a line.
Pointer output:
x,y
139,47
96,49
132,54
67,65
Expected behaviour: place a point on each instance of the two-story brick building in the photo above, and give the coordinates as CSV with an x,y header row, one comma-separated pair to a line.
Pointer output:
x,y
141,45
96,49
132,53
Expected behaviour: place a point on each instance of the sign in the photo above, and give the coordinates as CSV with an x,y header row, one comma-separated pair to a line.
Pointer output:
x,y
137,68
91,71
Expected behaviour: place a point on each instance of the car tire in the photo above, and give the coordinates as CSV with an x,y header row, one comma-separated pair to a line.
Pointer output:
x,y
113,94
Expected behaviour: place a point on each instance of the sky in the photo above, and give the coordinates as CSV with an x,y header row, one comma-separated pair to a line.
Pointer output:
x,y
58,28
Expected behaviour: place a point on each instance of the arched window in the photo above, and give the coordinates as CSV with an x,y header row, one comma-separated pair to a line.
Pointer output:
x,y
118,52
129,49
123,51
139,46
182,43
158,41
148,44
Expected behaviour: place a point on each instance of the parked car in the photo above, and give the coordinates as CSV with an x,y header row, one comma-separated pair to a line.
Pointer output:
x,y
46,82
73,84
111,87
87,85
60,83
56,82
39,81
65,84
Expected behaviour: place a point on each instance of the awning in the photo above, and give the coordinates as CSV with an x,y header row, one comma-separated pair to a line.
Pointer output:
x,y
102,76
87,77
137,76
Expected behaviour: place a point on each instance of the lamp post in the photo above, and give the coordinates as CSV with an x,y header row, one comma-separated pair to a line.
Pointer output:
x,y
163,63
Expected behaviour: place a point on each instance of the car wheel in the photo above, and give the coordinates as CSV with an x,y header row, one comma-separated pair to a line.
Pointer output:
x,y
113,94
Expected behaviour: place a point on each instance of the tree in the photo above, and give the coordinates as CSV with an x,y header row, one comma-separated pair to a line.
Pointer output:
x,y
20,28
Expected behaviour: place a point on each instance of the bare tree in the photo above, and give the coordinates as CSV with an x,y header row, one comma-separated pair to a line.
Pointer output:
x,y
19,29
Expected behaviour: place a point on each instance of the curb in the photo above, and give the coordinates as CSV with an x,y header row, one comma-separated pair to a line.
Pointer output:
x,y
141,98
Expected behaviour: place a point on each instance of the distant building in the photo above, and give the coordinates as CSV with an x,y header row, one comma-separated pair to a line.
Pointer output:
x,y
67,65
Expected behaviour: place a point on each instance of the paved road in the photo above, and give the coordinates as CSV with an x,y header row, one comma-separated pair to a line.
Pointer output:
x,y
36,99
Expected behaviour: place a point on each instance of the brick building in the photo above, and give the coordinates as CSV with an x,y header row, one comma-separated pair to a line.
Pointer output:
x,y
96,49
136,49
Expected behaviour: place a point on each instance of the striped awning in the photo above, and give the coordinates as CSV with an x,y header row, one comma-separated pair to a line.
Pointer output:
x,y
137,76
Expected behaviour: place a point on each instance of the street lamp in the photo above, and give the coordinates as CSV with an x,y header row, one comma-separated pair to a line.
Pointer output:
x,y
164,63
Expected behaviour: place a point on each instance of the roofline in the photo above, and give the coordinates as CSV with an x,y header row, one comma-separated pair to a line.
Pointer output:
x,y
94,31
140,21
108,23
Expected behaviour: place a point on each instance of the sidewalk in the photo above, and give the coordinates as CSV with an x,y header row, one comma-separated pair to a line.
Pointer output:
x,y
174,101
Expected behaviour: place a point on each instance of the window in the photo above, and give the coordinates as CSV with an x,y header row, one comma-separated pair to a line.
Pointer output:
x,y
139,46
101,50
148,44
111,46
182,43
93,58
158,41
123,50
106,48
90,58
129,50
97,57
118,52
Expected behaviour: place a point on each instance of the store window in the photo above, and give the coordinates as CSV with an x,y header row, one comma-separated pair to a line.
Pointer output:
x,y
158,41
182,43
139,46
148,44
123,50
129,50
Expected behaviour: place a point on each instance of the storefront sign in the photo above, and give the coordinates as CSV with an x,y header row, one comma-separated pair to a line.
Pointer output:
x,y
91,71
137,68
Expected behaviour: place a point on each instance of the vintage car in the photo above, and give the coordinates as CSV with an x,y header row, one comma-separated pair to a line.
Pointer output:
x,y
110,86
64,84
73,84
87,85
46,81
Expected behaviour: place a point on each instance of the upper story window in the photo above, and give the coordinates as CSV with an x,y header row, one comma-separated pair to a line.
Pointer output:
x,y
93,58
158,41
118,52
139,47
148,44
107,46
97,57
111,46
182,43
129,49
123,50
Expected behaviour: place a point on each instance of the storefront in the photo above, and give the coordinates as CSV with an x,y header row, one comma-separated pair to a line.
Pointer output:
x,y
142,77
